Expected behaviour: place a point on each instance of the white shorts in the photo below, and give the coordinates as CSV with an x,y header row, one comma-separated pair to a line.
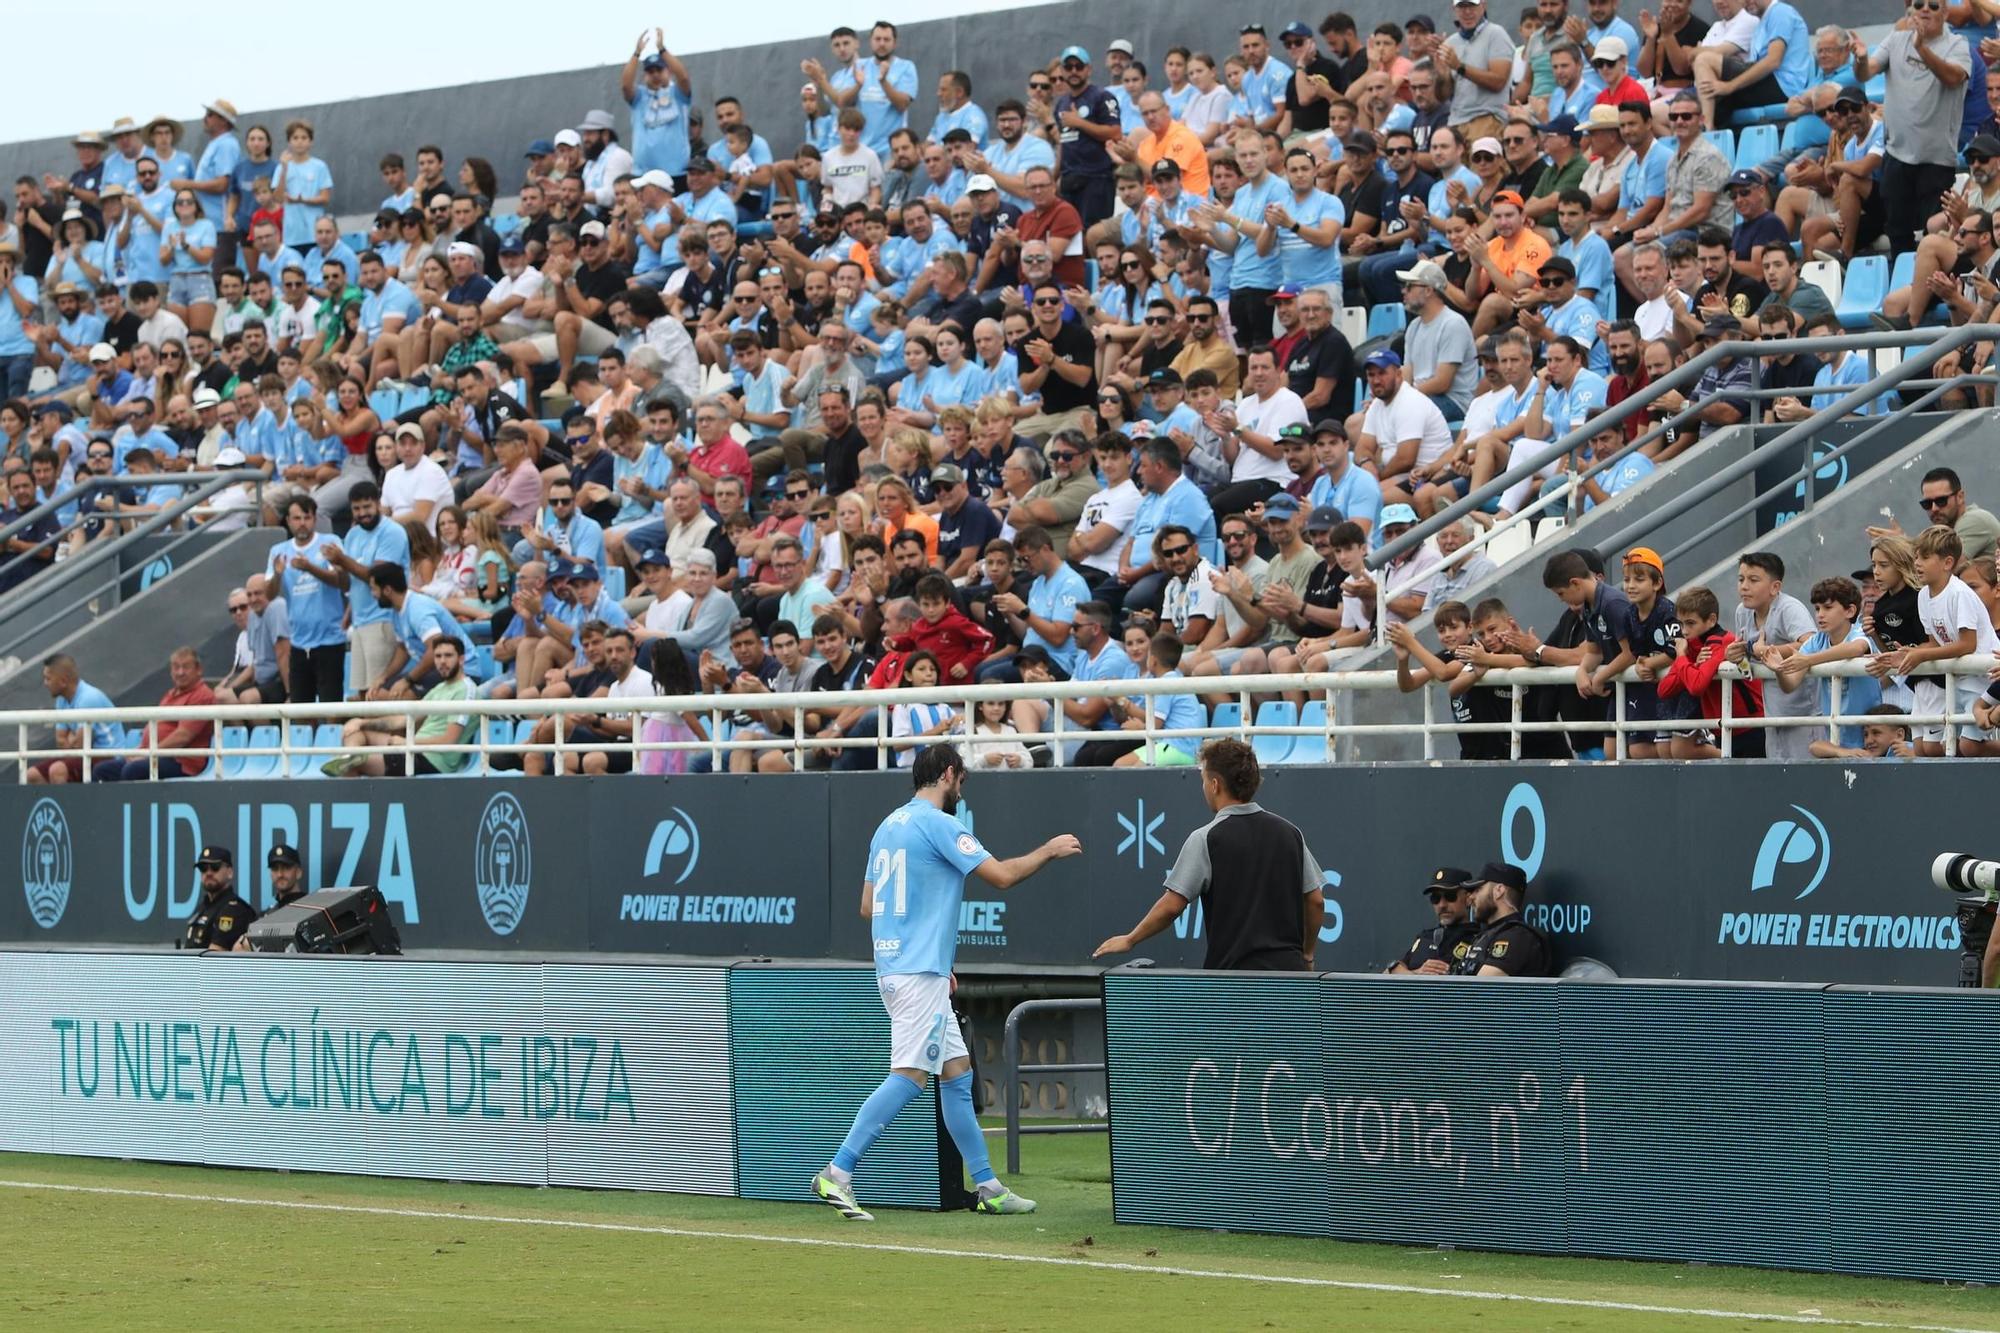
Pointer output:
x,y
1929,698
923,1031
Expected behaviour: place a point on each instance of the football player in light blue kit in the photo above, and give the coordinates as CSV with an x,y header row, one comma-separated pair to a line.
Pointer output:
x,y
917,866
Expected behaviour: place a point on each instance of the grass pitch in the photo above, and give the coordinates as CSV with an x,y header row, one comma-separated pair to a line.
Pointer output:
x,y
138,1246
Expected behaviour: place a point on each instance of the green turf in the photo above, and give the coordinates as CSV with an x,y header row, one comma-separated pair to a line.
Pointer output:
x,y
75,1260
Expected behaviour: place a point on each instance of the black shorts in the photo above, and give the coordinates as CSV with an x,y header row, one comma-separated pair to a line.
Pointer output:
x,y
419,766
617,750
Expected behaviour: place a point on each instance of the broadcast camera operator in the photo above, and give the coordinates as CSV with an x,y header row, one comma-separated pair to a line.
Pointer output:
x,y
1507,946
288,882
220,918
1433,952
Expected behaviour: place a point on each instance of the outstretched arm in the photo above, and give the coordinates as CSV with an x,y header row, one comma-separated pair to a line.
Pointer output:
x,y
1158,917
1006,874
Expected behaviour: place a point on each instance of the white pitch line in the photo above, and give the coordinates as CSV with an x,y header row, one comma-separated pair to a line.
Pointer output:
x,y
1053,1261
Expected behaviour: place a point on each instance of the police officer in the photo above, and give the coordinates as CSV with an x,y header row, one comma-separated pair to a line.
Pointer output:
x,y
220,918
1506,946
1434,951
288,882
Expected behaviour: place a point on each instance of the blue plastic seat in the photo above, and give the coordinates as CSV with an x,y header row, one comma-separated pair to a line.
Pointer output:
x,y
233,741
614,581
1759,115
326,736
261,765
1226,714
1905,271
1310,749
1756,145
1387,320
1867,286
1803,133
1274,713
383,403
303,765
1724,140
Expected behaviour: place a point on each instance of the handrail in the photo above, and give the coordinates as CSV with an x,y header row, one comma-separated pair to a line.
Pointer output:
x,y
1635,533
1685,377
717,707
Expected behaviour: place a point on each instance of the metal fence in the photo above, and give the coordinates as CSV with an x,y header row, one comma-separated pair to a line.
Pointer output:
x,y
290,736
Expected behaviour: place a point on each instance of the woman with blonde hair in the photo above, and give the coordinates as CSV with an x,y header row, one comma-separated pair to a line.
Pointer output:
x,y
492,570
897,508
907,454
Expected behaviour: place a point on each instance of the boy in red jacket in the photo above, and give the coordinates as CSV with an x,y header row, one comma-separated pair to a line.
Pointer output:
x,y
958,644
1691,689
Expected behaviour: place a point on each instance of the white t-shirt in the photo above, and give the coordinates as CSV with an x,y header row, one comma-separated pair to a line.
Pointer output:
x,y
1115,505
527,286
1193,596
1482,414
1954,611
1655,319
849,177
1736,32
1266,416
636,685
403,487
292,327
1410,415
668,616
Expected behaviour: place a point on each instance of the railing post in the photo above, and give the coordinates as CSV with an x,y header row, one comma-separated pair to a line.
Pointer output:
x,y
798,738
1514,693
1950,713
1430,722
1728,696
1618,717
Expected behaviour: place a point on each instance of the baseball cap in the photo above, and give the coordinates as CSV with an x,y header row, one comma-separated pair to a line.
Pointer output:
x,y
597,120
1362,141
1394,514
1747,176
584,572
1448,877
207,397
1421,22
656,178
1164,377
1721,326
1122,45
1498,872
658,558
1166,166
1295,29
1426,272
1034,652
1565,125
1982,145
410,428
1510,197
102,352
947,474
654,61
595,228
512,246
55,407
701,164
1558,265
1289,291
980,184
1296,430
465,250
1609,48
540,148
568,139
1489,144
1323,519
284,854
230,457
560,567
1383,358
1329,426
1076,53
1646,555
214,854
1142,429
1281,505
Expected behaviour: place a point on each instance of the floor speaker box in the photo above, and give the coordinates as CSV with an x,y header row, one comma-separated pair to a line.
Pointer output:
x,y
330,921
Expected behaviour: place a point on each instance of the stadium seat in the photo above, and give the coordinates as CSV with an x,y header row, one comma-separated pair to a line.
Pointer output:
x,y
304,765
326,736
1877,88
1274,713
480,664
233,741
1803,133
1510,543
1387,320
261,765
383,403
1725,140
1226,714
1310,749
1354,324
1825,274
1756,145
1867,285
614,581
1759,115
1904,271
1549,529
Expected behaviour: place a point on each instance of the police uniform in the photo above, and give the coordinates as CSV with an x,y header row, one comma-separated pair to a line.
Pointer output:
x,y
218,921
1447,943
1508,943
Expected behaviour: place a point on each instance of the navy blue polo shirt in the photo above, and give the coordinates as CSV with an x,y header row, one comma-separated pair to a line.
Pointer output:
x,y
1083,154
1611,619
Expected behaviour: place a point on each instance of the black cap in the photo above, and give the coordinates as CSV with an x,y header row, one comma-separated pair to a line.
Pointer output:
x,y
1497,872
284,854
1557,264
1034,652
1448,877
1163,377
215,855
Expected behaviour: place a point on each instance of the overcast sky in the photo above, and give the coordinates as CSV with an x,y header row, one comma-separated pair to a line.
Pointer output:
x,y
192,57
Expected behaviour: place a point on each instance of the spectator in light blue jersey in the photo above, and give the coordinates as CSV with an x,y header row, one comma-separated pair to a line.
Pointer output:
x,y
214,176
70,691
956,109
303,183
660,101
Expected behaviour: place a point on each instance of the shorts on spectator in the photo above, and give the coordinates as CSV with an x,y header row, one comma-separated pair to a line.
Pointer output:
x,y
1928,697
419,766
1226,658
1165,754
593,339
617,750
188,288
70,764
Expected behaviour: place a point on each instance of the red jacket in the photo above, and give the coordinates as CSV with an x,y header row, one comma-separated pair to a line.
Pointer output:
x,y
1692,677
953,640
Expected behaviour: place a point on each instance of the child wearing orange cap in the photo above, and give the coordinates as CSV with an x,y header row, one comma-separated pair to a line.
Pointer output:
x,y
1646,586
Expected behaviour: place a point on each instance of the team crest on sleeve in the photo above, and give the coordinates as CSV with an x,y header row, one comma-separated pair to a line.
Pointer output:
x,y
1458,951
1500,949
967,843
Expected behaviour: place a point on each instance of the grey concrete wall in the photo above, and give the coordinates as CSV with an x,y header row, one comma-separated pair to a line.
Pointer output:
x,y
497,119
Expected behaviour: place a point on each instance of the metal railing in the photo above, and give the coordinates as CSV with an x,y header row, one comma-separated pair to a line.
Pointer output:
x,y
1931,343
1010,1055
56,593
293,719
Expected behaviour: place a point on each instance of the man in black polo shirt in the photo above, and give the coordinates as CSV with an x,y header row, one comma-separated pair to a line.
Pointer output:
x,y
1434,951
1259,878
1507,946
1310,91
1087,119
1059,363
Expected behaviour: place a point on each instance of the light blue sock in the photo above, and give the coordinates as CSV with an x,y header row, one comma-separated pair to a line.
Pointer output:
x,y
956,1095
882,1106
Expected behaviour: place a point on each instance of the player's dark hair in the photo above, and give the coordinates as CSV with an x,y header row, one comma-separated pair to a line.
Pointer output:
x,y
1234,765
934,764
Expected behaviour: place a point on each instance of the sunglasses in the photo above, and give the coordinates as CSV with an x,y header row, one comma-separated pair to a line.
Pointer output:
x,y
1552,279
1974,159
1293,41
1405,152
1483,157
1048,300
1603,64
239,606
1040,86
1935,502
1132,266
782,217
1073,64
1062,455
1200,319
1515,143
797,495
1182,549
171,356
1157,319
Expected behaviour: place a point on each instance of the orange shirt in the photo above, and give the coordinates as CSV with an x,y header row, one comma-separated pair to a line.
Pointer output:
x,y
1527,254
1181,144
923,523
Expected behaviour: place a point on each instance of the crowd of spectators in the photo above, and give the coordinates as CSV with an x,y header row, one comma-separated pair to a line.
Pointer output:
x,y
1056,385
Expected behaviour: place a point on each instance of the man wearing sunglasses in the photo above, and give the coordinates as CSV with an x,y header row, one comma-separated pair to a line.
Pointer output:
x,y
1943,501
1778,65
1927,66
1434,951
1087,119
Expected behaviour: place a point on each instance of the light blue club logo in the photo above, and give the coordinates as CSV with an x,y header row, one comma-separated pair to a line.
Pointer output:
x,y
503,863
675,847
46,863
